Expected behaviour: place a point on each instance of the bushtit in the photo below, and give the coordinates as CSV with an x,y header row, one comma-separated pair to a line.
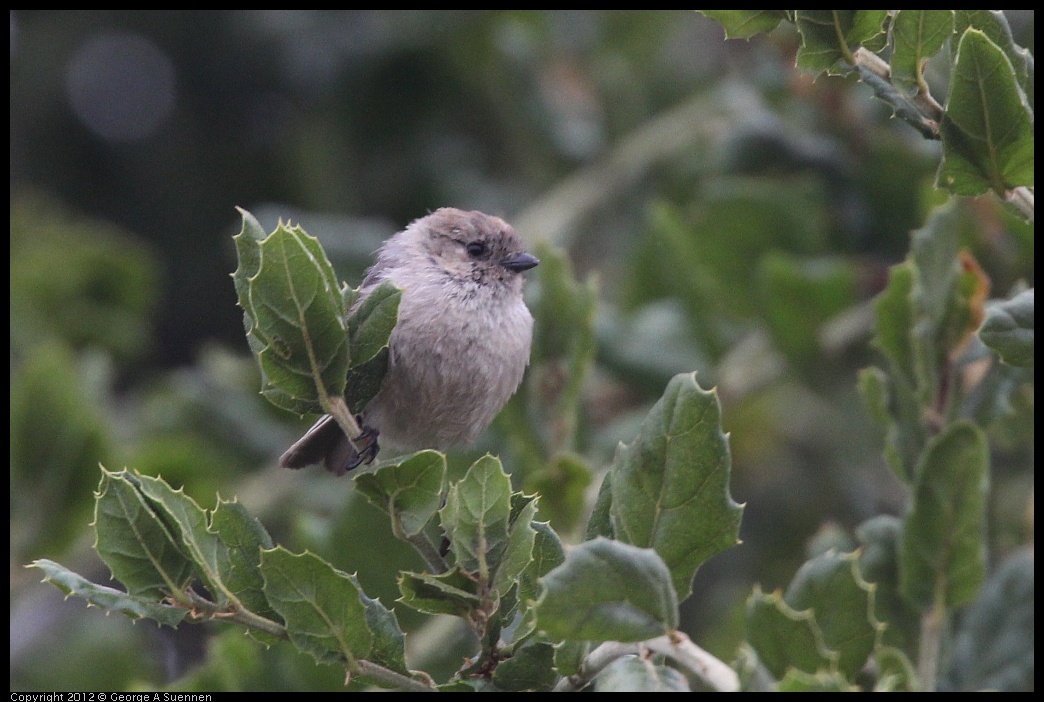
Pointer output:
x,y
459,349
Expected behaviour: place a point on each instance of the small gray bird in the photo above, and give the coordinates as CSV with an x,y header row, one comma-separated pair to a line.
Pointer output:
x,y
459,349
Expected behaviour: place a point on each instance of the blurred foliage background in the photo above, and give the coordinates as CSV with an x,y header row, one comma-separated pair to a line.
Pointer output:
x,y
699,205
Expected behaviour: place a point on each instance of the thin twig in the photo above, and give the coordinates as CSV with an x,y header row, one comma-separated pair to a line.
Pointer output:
x,y
389,677
675,645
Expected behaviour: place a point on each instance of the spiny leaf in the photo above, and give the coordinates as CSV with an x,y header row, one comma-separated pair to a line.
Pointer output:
x,y
831,587
670,486
294,315
828,37
410,491
107,598
322,607
188,522
453,592
245,537
475,516
140,549
917,35
785,638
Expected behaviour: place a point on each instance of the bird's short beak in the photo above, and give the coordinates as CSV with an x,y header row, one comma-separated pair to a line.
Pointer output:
x,y
520,262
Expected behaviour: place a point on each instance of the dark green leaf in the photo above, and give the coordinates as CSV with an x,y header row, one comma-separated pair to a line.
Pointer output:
x,y
518,551
831,588
107,598
600,522
828,37
371,322
917,35
636,674
454,592
188,524
294,316
475,517
995,25
785,638
987,128
322,607
608,591
410,491
743,24
364,381
548,553
1008,329
389,644
138,546
531,668
879,564
670,486
245,537
942,552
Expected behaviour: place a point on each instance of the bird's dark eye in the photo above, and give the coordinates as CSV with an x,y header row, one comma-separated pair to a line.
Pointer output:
x,y
476,248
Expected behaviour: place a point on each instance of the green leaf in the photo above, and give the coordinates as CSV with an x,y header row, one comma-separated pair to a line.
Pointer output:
x,y
410,491
389,644
475,517
371,323
600,523
188,524
917,35
879,564
831,587
322,607
518,552
924,317
532,667
1008,329
995,25
785,638
993,646
136,544
453,592
294,314
107,598
548,553
670,486
635,674
828,37
987,127
942,556
245,537
743,24
608,591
